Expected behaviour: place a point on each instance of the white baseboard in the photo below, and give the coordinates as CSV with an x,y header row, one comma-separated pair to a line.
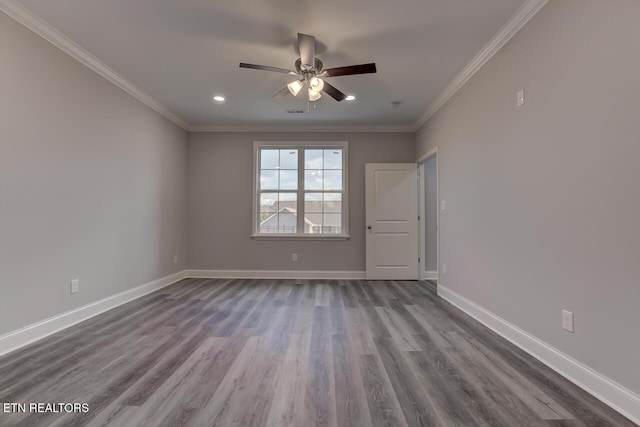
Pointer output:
x,y
429,275
608,391
19,338
275,274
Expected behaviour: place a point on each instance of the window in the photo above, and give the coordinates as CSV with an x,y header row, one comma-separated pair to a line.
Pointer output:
x,y
300,190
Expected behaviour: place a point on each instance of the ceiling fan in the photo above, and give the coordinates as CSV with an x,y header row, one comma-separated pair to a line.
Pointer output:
x,y
309,71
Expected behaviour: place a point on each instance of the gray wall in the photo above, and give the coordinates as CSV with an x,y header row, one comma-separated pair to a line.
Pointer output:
x,y
220,174
92,184
543,201
431,213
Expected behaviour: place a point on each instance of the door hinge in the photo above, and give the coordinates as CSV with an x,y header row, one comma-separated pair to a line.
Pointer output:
x,y
418,259
418,217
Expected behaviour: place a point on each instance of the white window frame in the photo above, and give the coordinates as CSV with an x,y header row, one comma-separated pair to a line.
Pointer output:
x,y
257,146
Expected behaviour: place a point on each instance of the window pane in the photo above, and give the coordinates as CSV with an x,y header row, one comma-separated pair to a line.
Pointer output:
x,y
287,221
278,213
333,180
313,203
268,212
268,202
313,159
289,159
287,197
333,159
288,201
269,180
268,159
313,223
313,180
279,191
332,224
288,180
332,203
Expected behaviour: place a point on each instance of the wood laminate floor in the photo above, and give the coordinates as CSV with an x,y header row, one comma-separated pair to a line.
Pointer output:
x,y
290,353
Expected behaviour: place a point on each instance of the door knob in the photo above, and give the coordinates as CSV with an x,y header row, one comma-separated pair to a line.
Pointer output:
x,y
369,227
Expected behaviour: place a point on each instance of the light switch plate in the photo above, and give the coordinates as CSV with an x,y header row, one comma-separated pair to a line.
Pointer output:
x,y
520,98
75,286
567,320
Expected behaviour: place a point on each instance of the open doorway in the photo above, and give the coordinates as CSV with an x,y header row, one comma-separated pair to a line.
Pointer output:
x,y
429,246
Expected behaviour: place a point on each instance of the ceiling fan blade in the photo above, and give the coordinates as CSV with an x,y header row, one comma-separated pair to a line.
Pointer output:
x,y
333,92
349,70
307,47
267,68
283,93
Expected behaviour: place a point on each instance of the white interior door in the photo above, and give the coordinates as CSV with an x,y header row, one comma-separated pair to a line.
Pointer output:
x,y
392,221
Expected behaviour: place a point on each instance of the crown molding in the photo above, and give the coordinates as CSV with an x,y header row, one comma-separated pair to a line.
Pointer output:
x,y
33,22
325,129
527,11
36,24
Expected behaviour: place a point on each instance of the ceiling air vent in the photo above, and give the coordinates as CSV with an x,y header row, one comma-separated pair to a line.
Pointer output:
x,y
295,111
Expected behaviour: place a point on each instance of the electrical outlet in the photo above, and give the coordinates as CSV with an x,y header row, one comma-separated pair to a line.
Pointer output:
x,y
567,320
444,269
175,259
75,286
443,205
294,257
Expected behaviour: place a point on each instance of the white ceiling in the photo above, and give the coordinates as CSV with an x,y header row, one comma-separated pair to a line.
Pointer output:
x,y
182,52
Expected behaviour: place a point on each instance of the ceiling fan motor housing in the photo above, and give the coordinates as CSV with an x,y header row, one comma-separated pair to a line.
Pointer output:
x,y
303,70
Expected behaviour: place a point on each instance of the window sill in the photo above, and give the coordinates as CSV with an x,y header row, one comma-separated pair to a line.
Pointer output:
x,y
301,237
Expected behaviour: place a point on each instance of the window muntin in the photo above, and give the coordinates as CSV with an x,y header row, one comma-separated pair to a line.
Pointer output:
x,y
307,179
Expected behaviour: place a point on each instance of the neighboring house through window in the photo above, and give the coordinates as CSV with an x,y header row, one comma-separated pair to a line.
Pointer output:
x,y
300,190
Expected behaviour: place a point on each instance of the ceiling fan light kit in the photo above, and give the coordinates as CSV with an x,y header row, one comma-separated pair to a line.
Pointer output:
x,y
314,95
295,87
309,69
316,84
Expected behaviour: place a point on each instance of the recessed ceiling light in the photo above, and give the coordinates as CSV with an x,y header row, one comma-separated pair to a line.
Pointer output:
x,y
350,98
218,98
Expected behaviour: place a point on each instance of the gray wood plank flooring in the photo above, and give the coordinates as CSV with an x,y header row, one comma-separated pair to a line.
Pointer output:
x,y
290,353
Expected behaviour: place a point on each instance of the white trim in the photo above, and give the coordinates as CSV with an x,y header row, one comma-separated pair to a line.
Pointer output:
x,y
36,24
275,274
429,275
26,17
422,242
320,129
19,338
424,158
511,28
300,236
608,391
